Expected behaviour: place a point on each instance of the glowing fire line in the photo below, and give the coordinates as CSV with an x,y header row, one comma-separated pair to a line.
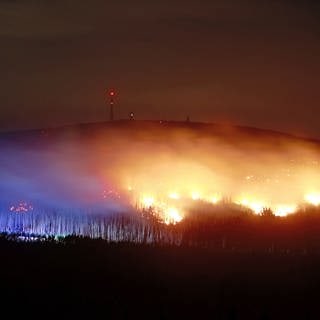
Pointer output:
x,y
171,207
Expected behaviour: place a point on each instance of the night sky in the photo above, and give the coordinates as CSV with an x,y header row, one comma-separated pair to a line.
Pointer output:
x,y
251,62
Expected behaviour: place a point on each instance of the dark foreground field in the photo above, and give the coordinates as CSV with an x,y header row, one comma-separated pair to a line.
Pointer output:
x,y
87,278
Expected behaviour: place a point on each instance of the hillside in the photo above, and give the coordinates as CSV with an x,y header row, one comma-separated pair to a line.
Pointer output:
x,y
222,131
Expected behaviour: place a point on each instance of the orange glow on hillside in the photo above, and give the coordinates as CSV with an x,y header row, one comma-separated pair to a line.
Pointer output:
x,y
163,167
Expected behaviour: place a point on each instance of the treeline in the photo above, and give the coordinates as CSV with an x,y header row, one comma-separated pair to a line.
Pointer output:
x,y
223,228
137,227
299,232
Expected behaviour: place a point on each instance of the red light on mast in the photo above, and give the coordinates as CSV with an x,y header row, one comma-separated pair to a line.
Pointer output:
x,y
112,95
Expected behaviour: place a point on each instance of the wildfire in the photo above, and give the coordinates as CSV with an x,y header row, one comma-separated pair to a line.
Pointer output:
x,y
174,195
284,210
21,207
169,214
313,198
172,215
147,201
175,170
195,195
256,207
110,194
214,199
172,208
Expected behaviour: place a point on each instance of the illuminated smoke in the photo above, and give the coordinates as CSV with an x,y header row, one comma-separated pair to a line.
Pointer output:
x,y
165,168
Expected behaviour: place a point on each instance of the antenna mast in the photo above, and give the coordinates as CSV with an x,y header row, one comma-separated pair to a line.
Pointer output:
x,y
111,102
